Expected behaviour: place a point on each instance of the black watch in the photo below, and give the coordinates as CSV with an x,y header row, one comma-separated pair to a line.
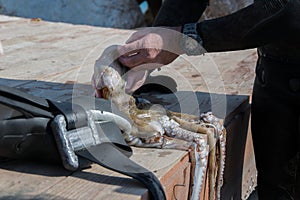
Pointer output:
x,y
191,42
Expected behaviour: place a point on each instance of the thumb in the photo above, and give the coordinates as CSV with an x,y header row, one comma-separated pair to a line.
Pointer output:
x,y
135,79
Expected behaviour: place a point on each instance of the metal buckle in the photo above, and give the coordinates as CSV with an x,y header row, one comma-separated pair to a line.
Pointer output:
x,y
70,141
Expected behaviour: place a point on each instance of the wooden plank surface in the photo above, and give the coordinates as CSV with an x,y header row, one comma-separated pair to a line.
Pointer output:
x,y
55,60
95,183
44,59
20,180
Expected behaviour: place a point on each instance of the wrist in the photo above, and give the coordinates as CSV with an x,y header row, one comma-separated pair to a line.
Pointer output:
x,y
191,42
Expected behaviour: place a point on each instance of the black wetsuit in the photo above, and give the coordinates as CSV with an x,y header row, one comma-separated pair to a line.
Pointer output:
x,y
273,27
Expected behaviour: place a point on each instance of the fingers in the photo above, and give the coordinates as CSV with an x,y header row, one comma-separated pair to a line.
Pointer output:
x,y
133,60
130,48
98,94
135,79
133,54
136,53
140,48
147,66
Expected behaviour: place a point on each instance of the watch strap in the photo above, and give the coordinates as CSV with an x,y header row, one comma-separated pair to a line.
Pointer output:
x,y
191,31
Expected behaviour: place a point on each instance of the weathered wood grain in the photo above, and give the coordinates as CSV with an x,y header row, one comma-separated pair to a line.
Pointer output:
x,y
55,60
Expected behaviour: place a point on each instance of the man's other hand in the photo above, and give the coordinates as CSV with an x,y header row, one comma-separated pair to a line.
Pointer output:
x,y
151,47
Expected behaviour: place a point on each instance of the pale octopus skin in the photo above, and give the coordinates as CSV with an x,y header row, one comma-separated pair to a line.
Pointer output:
x,y
204,136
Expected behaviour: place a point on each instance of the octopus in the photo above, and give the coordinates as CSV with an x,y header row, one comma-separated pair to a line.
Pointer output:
x,y
203,136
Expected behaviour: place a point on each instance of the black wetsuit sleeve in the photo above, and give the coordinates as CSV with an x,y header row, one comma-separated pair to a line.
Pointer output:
x,y
179,12
254,26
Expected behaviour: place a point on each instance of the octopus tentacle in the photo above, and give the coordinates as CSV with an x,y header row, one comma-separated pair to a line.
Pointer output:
x,y
204,136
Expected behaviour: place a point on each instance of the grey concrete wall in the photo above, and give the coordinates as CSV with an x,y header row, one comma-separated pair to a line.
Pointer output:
x,y
105,13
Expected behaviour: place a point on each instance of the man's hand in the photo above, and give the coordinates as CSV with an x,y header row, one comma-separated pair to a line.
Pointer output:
x,y
145,50
151,48
135,77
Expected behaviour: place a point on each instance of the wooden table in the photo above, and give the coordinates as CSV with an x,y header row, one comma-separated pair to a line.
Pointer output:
x,y
55,60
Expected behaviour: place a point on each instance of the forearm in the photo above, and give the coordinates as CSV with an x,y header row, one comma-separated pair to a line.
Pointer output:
x,y
251,27
178,12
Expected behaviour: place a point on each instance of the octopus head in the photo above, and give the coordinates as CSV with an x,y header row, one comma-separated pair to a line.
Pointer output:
x,y
108,82
108,71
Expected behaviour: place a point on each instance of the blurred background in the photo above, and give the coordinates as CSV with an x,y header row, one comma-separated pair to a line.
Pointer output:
x,y
125,14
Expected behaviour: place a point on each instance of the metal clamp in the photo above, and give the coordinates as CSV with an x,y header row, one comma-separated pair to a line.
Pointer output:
x,y
70,141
